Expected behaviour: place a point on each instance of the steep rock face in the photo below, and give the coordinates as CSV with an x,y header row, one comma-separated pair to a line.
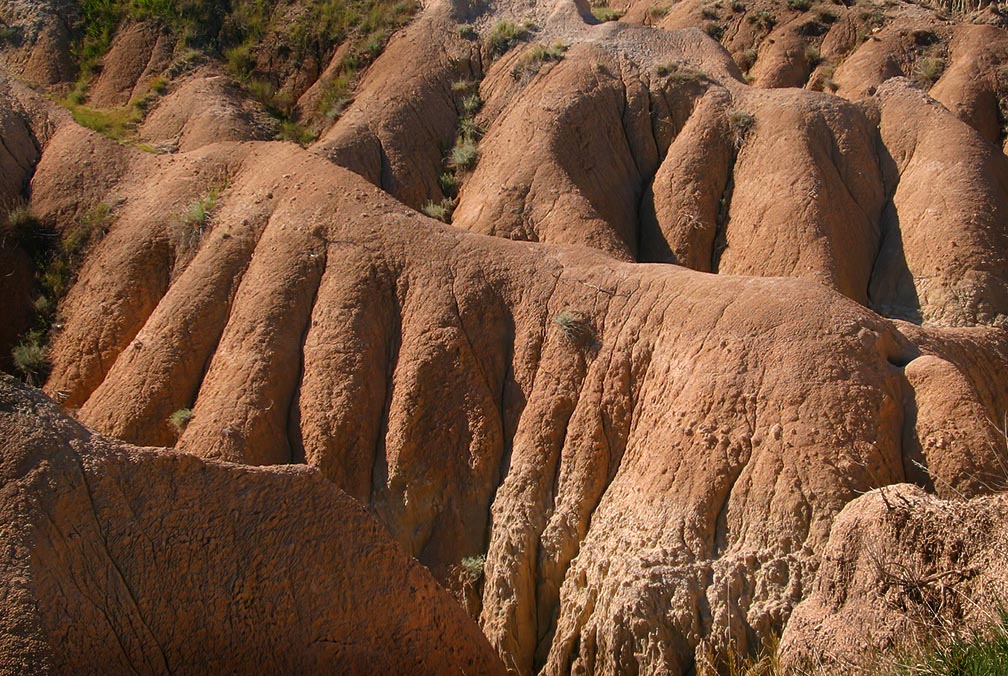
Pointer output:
x,y
118,558
901,566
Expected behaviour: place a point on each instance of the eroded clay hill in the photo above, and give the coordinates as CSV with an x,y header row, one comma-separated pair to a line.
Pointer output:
x,y
136,560
680,317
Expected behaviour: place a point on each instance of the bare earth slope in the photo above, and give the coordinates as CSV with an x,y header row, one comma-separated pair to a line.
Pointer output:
x,y
680,318
151,561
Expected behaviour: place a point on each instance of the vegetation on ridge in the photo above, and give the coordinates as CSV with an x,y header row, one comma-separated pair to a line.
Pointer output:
x,y
235,31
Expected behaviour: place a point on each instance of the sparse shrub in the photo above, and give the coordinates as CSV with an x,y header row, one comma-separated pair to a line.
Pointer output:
x,y
827,17
812,56
531,62
606,13
240,60
467,31
812,29
680,74
657,12
923,38
464,155
715,30
472,103
824,79
290,130
800,5
928,70
10,36
763,20
747,59
463,86
741,124
576,327
180,419
873,20
440,210
738,6
448,183
469,128
200,210
31,358
20,225
505,35
473,567
709,13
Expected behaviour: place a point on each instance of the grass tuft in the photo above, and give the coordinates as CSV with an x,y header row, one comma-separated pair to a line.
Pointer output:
x,y
576,327
473,567
741,124
180,419
504,36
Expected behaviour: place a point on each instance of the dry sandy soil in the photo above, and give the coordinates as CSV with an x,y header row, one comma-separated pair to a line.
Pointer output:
x,y
711,348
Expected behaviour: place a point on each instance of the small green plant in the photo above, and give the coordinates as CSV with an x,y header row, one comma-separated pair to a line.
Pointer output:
x,y
472,103
472,566
680,74
928,70
31,357
713,29
532,61
440,210
604,13
20,225
467,31
576,327
180,419
505,35
289,130
800,5
448,183
464,155
202,208
741,124
463,86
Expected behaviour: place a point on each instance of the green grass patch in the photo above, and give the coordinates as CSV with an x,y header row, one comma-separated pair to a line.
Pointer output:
x,y
532,61
505,35
604,13
57,259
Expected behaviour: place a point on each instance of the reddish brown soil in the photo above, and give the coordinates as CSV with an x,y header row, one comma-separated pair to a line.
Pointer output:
x,y
688,309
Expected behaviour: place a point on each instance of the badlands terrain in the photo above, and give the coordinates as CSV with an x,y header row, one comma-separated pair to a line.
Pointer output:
x,y
501,336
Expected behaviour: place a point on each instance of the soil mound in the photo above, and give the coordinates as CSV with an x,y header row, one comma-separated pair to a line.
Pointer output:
x,y
126,559
901,567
